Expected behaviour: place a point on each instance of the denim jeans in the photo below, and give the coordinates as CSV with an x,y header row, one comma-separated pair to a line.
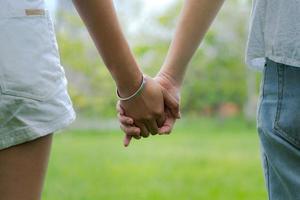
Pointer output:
x,y
278,123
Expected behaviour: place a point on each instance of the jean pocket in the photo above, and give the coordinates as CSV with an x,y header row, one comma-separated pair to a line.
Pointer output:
x,y
29,59
287,119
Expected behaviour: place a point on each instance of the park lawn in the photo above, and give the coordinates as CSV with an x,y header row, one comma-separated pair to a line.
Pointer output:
x,y
202,159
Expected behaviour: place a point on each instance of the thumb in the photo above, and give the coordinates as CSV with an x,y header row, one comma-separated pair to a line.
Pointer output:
x,y
171,103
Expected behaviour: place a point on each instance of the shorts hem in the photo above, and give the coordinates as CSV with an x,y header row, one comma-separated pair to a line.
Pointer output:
x,y
36,131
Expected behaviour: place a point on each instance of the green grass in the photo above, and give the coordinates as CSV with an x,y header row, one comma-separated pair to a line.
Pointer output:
x,y
202,159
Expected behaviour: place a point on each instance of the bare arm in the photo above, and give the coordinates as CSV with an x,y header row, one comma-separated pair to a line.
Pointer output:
x,y
195,19
101,20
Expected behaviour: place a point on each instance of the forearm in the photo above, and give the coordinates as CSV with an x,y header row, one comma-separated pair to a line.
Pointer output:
x,y
101,21
196,17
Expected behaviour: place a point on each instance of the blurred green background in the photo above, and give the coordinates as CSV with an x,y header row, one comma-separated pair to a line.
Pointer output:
x,y
213,152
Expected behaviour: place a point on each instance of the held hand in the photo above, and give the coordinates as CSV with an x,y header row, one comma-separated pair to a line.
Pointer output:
x,y
171,99
146,109
171,93
127,125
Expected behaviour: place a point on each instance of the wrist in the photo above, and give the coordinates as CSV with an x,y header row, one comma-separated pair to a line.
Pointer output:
x,y
135,94
173,81
130,84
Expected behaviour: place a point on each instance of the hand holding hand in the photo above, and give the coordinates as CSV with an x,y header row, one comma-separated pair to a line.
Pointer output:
x,y
170,92
146,109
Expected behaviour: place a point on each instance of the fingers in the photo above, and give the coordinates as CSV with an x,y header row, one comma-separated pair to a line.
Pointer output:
x,y
144,131
127,140
131,130
152,127
127,126
160,120
172,103
120,109
125,120
167,122
168,125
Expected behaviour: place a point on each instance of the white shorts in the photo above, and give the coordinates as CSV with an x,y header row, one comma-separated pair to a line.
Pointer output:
x,y
33,99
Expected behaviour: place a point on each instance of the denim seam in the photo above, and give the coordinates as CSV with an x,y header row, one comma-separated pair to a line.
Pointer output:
x,y
267,175
278,130
280,73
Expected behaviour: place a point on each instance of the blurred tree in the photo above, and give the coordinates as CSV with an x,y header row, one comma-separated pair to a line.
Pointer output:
x,y
217,74
217,67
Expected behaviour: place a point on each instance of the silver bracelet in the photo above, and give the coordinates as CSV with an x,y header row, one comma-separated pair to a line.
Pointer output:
x,y
134,94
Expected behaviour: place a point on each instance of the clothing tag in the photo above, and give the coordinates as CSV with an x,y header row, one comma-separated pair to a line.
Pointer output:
x,y
30,12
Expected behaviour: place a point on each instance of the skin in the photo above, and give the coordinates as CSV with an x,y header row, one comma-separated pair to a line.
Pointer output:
x,y
23,168
147,109
195,19
171,99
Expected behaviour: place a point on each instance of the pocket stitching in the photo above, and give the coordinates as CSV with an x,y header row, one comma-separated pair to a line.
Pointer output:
x,y
276,127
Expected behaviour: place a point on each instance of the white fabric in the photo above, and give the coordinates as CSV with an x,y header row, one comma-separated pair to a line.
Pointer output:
x,y
33,100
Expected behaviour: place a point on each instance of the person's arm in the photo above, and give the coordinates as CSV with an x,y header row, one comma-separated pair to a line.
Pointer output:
x,y
102,23
196,17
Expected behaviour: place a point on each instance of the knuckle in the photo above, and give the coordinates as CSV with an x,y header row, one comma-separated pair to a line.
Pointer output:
x,y
122,120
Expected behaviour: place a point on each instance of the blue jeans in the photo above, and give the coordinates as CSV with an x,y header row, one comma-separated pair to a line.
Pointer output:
x,y
278,123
